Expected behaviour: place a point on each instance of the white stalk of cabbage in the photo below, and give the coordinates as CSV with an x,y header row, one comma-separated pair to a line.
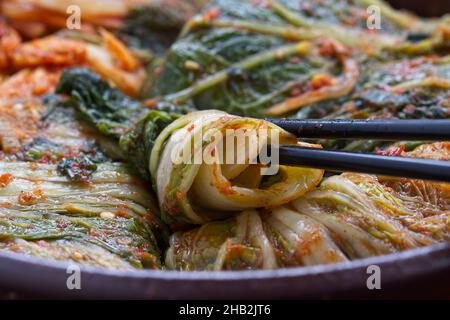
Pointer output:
x,y
249,229
111,188
254,240
363,229
307,241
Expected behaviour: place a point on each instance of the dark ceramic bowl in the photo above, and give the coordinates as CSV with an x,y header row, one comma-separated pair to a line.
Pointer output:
x,y
421,273
429,8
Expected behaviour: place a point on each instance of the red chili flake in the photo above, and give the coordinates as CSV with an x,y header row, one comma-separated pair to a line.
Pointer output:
x,y
46,158
422,60
180,195
27,198
396,152
94,233
61,224
211,14
349,21
226,188
6,204
77,256
149,261
123,241
191,127
409,109
137,251
415,62
38,192
398,90
295,92
5,179
86,183
16,248
351,107
321,80
326,48
151,103
122,211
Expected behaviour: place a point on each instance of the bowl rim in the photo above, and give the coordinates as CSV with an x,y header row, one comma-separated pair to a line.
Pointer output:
x,y
45,278
12,257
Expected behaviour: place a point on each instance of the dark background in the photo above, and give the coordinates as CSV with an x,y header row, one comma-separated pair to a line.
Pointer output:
x,y
427,8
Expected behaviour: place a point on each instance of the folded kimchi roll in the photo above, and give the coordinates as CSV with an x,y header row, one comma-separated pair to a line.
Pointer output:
x,y
252,240
220,174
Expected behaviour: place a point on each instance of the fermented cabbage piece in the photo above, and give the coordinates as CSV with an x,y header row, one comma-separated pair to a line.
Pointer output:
x,y
361,229
148,26
197,192
48,15
402,87
106,54
274,57
254,75
402,213
36,127
105,222
60,196
349,216
171,152
155,24
274,239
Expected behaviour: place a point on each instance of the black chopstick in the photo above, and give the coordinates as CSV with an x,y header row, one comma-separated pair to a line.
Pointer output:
x,y
378,129
417,36
414,168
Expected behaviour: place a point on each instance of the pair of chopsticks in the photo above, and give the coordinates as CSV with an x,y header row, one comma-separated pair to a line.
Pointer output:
x,y
386,130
